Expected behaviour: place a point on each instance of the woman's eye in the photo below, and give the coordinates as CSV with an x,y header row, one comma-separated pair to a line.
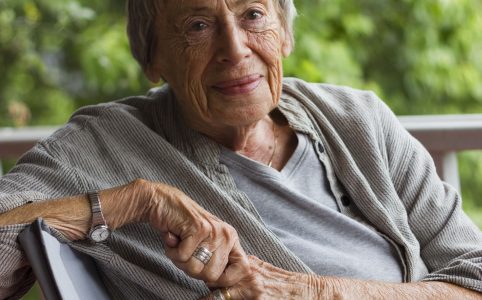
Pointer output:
x,y
198,26
254,15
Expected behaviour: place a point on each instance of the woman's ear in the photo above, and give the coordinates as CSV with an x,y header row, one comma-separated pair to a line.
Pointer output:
x,y
287,43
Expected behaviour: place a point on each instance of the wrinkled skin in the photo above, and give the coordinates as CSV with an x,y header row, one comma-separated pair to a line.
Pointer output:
x,y
268,282
185,226
202,44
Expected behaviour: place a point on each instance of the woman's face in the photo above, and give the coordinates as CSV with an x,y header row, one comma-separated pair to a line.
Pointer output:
x,y
222,58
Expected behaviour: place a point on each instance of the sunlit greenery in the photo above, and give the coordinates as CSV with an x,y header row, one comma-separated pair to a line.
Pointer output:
x,y
420,56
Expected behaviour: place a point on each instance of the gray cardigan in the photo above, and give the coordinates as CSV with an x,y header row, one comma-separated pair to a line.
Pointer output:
x,y
373,165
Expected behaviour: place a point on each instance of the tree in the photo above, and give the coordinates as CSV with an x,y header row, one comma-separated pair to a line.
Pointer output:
x,y
422,57
59,55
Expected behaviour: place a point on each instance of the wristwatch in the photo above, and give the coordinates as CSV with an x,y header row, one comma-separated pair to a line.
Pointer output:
x,y
99,231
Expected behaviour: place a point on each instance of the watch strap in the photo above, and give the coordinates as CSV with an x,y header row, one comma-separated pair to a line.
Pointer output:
x,y
97,216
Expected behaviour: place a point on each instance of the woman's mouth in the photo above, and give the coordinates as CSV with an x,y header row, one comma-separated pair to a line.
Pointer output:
x,y
238,86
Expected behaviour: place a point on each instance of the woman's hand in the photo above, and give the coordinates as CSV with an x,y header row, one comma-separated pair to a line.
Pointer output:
x,y
265,281
186,226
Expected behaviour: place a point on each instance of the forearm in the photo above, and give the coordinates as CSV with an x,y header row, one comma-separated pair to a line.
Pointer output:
x,y
266,281
72,215
344,288
68,215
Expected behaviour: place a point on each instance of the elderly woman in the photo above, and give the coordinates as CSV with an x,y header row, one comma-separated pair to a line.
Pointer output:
x,y
170,193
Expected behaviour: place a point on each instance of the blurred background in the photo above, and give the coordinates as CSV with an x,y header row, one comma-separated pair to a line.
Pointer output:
x,y
420,56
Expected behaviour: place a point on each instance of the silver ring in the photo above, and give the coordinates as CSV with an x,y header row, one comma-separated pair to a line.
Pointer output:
x,y
202,254
218,295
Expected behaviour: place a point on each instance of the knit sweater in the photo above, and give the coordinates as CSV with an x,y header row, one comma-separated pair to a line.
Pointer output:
x,y
373,165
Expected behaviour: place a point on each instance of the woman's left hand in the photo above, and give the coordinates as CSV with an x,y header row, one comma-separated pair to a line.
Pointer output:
x,y
266,281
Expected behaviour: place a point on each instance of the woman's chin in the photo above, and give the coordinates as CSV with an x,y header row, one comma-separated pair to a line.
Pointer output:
x,y
242,116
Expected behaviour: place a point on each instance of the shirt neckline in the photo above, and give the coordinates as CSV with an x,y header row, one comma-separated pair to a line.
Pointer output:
x,y
239,161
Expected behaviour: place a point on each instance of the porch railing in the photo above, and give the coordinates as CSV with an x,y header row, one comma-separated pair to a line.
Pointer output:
x,y
442,135
16,141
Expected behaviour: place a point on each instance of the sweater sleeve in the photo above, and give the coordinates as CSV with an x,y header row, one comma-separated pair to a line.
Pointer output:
x,y
38,176
450,244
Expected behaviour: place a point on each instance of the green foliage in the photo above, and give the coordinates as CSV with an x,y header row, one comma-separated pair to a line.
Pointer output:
x,y
58,55
422,56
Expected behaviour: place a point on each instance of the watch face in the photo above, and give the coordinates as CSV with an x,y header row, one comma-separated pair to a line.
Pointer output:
x,y
100,234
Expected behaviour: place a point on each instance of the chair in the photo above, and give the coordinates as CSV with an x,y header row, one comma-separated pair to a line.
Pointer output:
x,y
62,272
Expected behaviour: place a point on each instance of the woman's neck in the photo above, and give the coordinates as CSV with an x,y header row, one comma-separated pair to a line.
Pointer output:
x,y
269,141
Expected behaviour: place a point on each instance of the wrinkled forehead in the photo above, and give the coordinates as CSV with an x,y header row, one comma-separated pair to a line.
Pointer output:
x,y
177,8
211,3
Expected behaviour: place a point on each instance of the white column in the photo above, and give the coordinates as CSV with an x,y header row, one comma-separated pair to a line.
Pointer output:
x,y
448,168
451,170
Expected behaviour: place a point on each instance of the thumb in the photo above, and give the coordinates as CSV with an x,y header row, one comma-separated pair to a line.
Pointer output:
x,y
171,240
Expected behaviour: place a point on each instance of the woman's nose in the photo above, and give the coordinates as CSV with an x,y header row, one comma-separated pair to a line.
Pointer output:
x,y
232,44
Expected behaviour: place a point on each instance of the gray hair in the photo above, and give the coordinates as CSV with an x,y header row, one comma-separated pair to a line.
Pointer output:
x,y
141,21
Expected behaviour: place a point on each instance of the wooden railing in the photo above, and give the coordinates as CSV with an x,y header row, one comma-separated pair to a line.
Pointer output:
x,y
442,135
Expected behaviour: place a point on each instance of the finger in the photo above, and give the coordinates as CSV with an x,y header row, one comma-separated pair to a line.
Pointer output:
x,y
227,244
238,292
183,252
221,243
197,263
171,240
238,268
193,267
219,261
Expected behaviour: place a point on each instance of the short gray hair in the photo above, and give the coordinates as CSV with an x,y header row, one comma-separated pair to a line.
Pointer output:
x,y
141,21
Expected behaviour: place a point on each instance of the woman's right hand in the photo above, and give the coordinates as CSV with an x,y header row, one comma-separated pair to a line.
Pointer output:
x,y
185,226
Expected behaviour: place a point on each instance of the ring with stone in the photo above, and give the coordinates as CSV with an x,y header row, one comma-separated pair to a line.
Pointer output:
x,y
202,254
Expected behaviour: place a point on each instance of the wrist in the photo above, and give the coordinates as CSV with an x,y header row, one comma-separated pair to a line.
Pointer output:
x,y
148,200
70,216
125,204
